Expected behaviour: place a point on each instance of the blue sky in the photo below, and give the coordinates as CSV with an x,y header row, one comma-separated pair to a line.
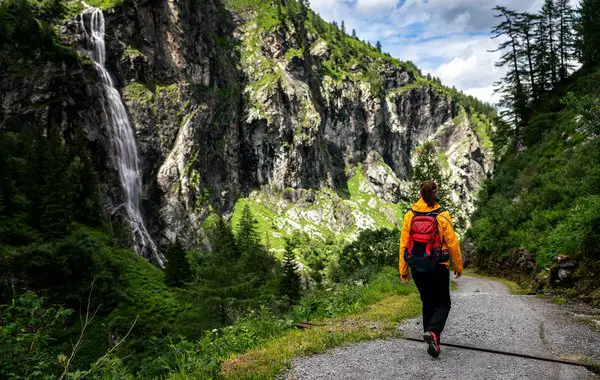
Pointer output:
x,y
447,38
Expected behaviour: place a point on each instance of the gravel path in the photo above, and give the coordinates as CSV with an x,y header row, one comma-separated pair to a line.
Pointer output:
x,y
483,314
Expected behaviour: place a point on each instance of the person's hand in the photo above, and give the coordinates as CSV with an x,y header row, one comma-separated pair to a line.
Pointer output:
x,y
457,275
405,279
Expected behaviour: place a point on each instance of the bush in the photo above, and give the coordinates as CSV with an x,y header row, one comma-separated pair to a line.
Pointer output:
x,y
26,327
370,252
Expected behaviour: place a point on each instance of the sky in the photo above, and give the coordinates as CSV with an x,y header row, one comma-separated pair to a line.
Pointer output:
x,y
450,39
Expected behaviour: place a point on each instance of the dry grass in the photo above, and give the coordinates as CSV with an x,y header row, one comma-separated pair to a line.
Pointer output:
x,y
380,321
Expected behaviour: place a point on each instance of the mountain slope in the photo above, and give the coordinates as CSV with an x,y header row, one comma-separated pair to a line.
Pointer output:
x,y
260,100
541,210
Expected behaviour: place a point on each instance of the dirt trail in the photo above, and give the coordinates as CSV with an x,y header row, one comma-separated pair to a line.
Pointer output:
x,y
483,314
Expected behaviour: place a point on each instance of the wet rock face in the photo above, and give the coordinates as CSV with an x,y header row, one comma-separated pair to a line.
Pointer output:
x,y
220,110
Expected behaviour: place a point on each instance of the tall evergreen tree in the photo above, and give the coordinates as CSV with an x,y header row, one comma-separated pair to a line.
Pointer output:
x,y
343,27
254,257
177,270
354,33
566,37
590,31
514,95
430,166
378,46
290,283
548,14
525,23
247,234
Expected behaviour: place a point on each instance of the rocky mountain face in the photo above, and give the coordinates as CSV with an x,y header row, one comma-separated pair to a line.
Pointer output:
x,y
231,102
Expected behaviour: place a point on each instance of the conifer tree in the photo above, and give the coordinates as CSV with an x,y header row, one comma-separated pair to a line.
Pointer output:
x,y
524,24
430,166
548,14
514,95
177,270
254,257
566,37
378,46
290,282
589,27
343,27
354,33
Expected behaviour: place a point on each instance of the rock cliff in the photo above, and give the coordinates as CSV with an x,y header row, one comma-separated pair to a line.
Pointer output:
x,y
261,101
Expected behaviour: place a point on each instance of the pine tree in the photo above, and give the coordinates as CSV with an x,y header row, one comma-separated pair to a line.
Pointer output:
x,y
256,260
524,23
378,46
354,33
514,95
343,27
430,166
289,285
221,276
247,234
566,37
590,32
177,270
548,14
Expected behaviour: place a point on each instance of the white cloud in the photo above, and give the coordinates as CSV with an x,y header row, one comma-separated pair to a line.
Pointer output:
x,y
375,5
447,38
485,94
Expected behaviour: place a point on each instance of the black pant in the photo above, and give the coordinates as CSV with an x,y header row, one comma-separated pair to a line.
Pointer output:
x,y
434,288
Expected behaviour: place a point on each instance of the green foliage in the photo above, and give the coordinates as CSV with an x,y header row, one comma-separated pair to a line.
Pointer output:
x,y
545,198
26,327
105,4
28,36
575,235
290,284
588,109
431,166
590,32
370,252
350,298
177,270
320,256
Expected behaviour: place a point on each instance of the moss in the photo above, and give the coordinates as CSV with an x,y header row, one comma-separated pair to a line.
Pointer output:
x,y
105,4
132,52
138,92
293,53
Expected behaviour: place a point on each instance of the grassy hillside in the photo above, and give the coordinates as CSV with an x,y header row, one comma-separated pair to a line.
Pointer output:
x,y
545,193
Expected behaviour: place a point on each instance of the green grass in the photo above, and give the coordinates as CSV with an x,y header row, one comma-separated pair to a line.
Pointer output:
x,y
270,360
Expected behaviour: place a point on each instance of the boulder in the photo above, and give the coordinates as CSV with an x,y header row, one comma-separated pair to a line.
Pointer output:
x,y
563,274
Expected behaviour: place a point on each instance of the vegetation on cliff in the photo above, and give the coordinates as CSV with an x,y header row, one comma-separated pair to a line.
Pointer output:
x,y
544,195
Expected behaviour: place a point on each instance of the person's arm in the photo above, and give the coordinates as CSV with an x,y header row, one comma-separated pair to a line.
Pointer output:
x,y
452,244
404,273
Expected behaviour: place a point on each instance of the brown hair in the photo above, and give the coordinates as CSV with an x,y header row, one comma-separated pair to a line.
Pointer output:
x,y
429,192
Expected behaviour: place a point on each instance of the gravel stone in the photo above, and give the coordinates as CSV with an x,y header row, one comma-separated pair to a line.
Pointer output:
x,y
483,314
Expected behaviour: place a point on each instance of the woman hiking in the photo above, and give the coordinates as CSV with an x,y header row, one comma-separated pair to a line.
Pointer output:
x,y
427,245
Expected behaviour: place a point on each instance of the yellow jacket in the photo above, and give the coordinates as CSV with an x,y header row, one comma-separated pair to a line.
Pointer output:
x,y
445,227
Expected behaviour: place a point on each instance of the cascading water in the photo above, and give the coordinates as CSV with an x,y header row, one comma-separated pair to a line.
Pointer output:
x,y
122,137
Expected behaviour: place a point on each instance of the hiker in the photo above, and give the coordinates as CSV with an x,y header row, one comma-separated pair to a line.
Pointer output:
x,y
427,245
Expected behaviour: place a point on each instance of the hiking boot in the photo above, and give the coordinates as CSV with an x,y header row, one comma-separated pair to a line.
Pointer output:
x,y
433,340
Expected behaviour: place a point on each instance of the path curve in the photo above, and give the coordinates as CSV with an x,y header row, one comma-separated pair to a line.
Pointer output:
x,y
483,314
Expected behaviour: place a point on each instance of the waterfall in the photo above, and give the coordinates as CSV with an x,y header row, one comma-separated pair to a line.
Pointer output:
x,y
122,137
